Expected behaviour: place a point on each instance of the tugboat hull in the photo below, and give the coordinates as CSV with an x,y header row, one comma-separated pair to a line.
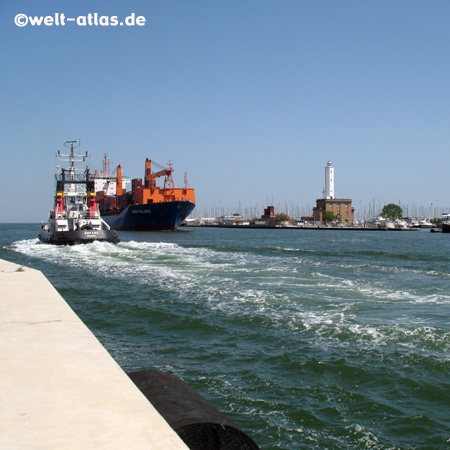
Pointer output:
x,y
78,237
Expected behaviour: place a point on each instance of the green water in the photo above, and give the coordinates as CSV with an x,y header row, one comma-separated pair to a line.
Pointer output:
x,y
306,339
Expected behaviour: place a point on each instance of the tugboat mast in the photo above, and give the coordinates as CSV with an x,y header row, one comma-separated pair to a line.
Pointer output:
x,y
72,157
69,174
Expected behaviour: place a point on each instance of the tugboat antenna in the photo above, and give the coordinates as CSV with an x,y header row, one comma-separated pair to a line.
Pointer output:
x,y
71,144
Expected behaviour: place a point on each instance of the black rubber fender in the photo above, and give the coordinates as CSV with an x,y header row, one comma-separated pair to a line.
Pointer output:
x,y
199,424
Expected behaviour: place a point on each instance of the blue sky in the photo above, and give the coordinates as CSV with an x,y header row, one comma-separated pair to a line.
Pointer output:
x,y
251,98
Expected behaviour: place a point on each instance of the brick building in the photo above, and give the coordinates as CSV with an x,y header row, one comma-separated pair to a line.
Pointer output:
x,y
340,207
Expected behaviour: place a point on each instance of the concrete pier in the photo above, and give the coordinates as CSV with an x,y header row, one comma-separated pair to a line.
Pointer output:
x,y
60,389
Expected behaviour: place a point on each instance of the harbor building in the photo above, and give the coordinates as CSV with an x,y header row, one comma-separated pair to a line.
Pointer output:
x,y
268,218
340,207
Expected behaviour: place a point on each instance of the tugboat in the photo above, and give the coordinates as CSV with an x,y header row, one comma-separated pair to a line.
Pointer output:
x,y
75,218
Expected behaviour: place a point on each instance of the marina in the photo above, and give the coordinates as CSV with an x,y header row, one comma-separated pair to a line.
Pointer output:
x,y
303,227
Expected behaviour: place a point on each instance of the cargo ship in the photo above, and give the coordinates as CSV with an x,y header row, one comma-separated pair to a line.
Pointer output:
x,y
146,207
75,218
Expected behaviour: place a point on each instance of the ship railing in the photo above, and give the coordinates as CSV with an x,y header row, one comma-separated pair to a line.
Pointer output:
x,y
79,221
86,215
72,177
105,224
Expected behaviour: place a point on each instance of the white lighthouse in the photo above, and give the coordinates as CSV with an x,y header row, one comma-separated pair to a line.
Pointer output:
x,y
329,180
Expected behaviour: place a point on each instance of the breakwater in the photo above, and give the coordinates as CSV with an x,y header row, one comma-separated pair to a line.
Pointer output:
x,y
61,389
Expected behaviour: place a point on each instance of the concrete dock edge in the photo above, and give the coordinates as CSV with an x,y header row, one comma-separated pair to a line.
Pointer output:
x,y
60,387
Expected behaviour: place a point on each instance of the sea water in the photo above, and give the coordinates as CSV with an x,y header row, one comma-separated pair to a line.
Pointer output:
x,y
305,339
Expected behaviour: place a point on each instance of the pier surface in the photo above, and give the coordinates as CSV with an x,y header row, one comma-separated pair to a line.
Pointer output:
x,y
60,387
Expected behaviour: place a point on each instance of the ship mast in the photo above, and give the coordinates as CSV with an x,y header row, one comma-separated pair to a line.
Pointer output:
x,y
106,169
69,175
72,157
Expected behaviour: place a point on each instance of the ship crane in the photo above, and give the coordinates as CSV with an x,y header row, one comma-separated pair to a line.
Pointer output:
x,y
150,177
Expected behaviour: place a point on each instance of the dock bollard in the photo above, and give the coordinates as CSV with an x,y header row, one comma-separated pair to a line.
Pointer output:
x,y
194,419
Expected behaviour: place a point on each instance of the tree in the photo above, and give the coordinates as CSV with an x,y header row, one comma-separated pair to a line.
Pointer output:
x,y
328,216
282,217
392,211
